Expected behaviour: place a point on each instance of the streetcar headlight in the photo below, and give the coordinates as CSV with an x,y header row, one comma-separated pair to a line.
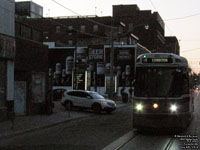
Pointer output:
x,y
173,108
139,107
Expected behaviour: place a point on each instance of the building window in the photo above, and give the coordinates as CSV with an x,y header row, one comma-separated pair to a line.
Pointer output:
x,y
36,35
70,27
130,26
83,28
46,35
70,34
95,28
40,12
57,29
70,42
25,32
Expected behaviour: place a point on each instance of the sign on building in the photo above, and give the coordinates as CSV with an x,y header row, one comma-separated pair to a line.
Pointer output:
x,y
95,53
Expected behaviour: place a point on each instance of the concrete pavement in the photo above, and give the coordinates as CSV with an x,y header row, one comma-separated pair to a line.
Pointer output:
x,y
23,124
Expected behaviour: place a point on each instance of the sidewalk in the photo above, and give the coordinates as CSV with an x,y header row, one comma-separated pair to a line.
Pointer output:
x,y
23,124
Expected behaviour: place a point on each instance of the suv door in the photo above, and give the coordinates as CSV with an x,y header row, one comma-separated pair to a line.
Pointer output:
x,y
74,96
86,100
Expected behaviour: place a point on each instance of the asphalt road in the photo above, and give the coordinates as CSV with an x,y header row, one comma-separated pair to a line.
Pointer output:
x,y
90,133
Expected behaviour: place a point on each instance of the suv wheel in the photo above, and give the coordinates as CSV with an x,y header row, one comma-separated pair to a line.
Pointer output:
x,y
96,108
68,105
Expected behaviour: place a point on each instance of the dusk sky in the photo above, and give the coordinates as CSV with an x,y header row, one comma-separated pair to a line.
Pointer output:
x,y
181,17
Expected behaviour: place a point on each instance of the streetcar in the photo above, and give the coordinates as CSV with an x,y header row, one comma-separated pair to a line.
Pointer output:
x,y
162,98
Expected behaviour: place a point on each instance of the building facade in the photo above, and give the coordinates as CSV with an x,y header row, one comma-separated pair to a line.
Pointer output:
x,y
147,26
7,55
31,71
172,45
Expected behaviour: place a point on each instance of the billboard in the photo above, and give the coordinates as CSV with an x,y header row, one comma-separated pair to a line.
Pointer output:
x,y
124,63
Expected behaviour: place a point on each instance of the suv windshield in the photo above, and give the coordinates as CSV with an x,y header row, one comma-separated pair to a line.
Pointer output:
x,y
96,96
161,81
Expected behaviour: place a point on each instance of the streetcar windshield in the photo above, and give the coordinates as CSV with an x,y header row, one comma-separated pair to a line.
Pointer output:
x,y
161,81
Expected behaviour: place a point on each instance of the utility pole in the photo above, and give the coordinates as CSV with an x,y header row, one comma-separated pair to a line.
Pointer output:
x,y
111,65
112,37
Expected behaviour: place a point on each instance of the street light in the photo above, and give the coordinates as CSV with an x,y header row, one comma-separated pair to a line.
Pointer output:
x,y
130,35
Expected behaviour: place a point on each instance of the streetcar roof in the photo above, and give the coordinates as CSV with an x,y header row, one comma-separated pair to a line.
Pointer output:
x,y
161,59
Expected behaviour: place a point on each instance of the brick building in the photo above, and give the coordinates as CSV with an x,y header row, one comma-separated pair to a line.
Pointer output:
x,y
88,30
172,45
153,38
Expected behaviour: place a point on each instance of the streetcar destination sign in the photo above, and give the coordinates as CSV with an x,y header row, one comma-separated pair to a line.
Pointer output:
x,y
157,60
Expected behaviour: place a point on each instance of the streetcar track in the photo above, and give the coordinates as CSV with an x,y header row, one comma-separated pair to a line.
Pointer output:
x,y
169,144
122,141
120,146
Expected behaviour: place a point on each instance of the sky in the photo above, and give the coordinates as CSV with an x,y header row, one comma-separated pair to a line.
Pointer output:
x,y
181,17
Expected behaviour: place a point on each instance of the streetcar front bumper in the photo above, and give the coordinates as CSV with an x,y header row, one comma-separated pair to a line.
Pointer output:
x,y
180,120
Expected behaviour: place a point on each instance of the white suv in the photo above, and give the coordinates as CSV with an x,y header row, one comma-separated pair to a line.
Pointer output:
x,y
87,99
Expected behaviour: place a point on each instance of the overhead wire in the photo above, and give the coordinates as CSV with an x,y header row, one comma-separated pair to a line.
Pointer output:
x,y
163,20
190,50
184,17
